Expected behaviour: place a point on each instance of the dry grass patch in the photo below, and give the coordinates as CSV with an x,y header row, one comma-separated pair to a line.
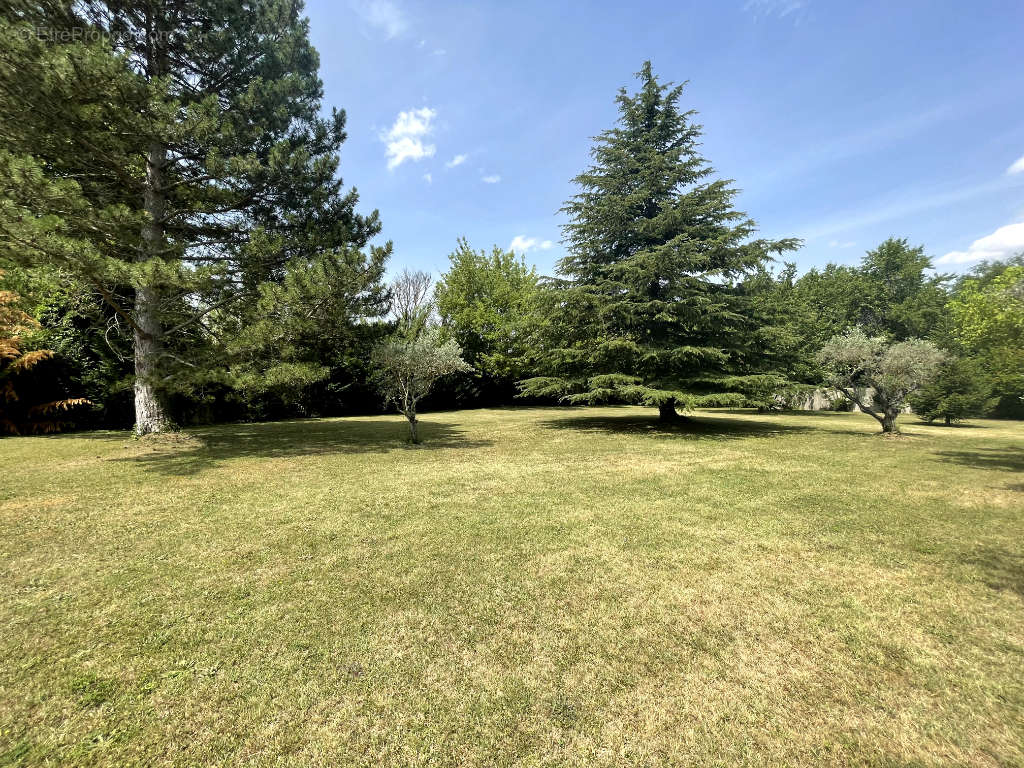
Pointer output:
x,y
535,587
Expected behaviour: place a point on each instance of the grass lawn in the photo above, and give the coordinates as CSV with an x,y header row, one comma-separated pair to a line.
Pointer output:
x,y
530,587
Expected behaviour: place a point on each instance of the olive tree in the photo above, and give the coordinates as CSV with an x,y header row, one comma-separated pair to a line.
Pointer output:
x,y
855,363
405,370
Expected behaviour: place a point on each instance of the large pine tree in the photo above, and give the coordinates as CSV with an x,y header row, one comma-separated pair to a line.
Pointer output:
x,y
648,308
173,154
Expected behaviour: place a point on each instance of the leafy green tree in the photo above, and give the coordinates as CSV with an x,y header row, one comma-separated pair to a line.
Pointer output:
x,y
90,356
890,293
903,300
173,156
987,316
405,370
984,272
831,299
648,309
876,375
485,301
21,411
960,389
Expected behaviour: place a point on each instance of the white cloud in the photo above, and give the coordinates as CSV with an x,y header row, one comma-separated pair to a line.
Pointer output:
x,y
457,160
522,244
780,8
834,148
429,178
903,203
1004,242
382,14
415,122
1017,167
492,179
440,51
404,140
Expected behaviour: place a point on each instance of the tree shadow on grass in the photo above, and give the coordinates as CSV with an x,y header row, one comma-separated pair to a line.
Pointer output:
x,y
204,448
870,425
941,425
1000,568
784,412
1011,459
692,428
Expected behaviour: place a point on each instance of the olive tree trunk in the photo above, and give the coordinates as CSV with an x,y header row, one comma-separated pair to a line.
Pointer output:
x,y
414,426
888,420
886,415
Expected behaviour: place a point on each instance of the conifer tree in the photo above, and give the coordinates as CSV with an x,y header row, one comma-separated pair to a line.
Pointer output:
x,y
961,388
173,154
647,308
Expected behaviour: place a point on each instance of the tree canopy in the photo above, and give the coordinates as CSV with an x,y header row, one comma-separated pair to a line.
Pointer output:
x,y
893,292
486,301
879,376
176,159
20,411
987,314
405,369
646,308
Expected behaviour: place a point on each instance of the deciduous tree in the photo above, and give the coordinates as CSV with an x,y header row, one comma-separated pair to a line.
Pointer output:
x,y
988,321
891,293
412,302
486,302
18,413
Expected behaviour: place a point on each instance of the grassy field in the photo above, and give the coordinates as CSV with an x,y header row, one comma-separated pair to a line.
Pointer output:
x,y
530,587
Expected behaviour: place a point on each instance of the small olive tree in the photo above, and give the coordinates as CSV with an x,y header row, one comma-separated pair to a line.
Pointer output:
x,y
405,369
855,363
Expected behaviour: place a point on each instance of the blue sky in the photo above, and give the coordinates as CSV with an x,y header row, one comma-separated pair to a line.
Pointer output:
x,y
842,122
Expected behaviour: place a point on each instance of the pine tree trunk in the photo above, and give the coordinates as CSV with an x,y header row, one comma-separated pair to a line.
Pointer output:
x,y
150,415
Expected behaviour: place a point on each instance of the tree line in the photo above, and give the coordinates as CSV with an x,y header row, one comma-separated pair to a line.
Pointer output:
x,y
175,228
